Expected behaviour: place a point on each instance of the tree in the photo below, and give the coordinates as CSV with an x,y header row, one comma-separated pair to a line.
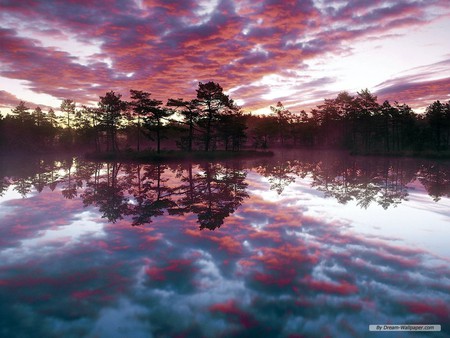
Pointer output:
x,y
263,129
221,191
142,106
38,116
87,124
110,113
51,117
154,123
435,115
279,174
232,126
366,107
335,122
68,107
212,101
189,110
447,122
21,110
387,112
283,118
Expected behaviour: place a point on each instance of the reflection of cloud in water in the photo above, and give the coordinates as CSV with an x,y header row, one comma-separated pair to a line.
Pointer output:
x,y
301,271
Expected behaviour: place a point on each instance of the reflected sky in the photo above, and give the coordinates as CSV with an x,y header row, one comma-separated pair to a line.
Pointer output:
x,y
284,263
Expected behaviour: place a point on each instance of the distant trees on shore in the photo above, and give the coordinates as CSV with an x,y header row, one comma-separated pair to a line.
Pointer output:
x,y
213,121
356,123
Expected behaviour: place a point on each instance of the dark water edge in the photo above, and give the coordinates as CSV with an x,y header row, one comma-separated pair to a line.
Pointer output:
x,y
431,154
151,156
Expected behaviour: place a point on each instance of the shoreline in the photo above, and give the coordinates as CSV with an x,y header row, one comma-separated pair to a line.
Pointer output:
x,y
175,155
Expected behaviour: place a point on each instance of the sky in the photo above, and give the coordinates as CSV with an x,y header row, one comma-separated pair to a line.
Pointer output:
x,y
260,52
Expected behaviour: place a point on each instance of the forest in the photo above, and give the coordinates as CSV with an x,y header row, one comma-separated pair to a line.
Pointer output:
x,y
212,121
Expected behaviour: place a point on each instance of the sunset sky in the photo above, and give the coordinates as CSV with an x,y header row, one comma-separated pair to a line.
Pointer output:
x,y
261,52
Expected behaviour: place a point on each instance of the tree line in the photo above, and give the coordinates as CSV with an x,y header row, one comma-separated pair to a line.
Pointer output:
x,y
356,123
208,122
212,120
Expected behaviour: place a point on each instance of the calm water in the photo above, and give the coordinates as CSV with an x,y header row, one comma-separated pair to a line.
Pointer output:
x,y
301,244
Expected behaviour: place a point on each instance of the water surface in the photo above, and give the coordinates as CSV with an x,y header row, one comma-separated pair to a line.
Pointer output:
x,y
302,244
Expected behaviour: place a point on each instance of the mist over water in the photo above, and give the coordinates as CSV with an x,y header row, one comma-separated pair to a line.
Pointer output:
x,y
304,243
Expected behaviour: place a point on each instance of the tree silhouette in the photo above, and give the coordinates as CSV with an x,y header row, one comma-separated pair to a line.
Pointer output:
x,y
357,123
38,116
212,101
68,107
22,112
143,106
231,127
189,110
4,185
283,118
438,117
52,118
154,122
23,186
144,192
263,130
110,112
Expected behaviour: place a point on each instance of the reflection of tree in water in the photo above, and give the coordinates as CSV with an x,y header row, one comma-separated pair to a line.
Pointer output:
x,y
40,180
107,193
151,194
395,176
4,185
435,177
381,181
281,174
219,191
214,191
334,180
23,186
24,174
367,182
69,189
143,192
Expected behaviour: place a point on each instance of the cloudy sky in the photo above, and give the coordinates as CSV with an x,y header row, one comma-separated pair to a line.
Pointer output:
x,y
261,52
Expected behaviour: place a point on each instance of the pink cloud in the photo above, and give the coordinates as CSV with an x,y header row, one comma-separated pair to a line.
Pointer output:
x,y
8,100
160,45
173,266
436,309
231,310
340,288
416,94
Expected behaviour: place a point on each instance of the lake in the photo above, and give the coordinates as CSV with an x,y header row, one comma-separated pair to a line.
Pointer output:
x,y
304,244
